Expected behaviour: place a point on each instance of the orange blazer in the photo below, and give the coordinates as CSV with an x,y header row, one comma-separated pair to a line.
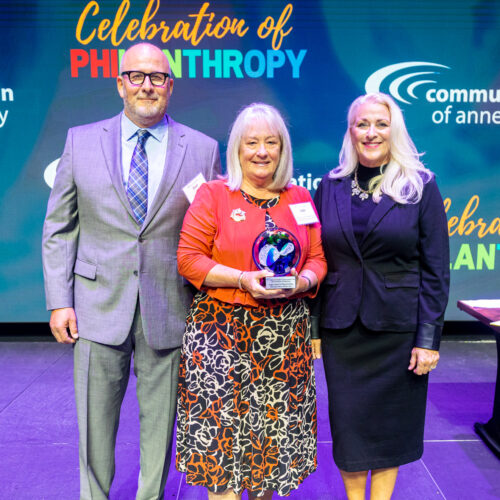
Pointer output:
x,y
210,236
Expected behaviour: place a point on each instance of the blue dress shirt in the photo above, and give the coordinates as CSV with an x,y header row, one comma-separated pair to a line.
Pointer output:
x,y
156,149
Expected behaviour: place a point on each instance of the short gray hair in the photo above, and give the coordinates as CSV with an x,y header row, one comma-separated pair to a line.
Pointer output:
x,y
273,118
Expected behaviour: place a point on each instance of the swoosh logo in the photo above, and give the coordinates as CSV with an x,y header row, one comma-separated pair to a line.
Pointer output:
x,y
404,83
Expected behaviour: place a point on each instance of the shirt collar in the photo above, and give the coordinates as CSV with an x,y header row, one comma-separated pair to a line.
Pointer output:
x,y
129,128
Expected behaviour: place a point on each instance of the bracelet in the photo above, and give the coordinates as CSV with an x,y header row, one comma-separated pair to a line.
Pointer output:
x,y
240,277
308,281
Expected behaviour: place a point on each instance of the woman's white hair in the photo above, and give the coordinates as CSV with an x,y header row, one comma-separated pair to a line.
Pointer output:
x,y
404,176
273,118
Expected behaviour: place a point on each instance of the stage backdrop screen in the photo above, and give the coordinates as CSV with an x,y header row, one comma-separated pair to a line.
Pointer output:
x,y
438,59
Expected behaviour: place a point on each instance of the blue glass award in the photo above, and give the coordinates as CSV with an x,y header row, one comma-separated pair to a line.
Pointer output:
x,y
277,250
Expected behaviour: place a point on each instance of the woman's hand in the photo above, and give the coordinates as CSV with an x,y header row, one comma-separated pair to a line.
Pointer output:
x,y
250,281
422,361
316,348
302,283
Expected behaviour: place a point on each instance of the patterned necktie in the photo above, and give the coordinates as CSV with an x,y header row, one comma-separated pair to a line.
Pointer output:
x,y
137,187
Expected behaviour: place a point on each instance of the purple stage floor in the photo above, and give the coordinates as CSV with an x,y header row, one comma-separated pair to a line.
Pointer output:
x,y
38,443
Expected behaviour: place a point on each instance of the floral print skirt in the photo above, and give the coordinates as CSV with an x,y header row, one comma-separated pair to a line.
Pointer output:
x,y
246,416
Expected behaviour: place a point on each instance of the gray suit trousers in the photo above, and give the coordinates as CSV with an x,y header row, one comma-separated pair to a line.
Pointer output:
x,y
101,378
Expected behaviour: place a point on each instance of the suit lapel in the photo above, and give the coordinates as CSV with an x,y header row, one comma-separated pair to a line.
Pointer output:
x,y
378,213
111,147
176,149
343,204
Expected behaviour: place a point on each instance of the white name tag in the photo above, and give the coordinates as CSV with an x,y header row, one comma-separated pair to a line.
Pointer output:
x,y
192,186
304,213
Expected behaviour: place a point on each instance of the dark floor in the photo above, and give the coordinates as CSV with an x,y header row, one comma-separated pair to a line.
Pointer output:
x,y
38,431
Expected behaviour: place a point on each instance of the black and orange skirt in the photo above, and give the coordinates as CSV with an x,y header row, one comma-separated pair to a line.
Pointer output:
x,y
246,416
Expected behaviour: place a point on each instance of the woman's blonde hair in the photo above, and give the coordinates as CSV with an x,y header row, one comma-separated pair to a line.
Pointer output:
x,y
403,178
274,120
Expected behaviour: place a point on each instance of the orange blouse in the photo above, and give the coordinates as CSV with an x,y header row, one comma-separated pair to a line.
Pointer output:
x,y
210,236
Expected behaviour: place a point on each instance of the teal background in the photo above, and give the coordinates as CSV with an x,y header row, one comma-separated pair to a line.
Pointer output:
x,y
345,41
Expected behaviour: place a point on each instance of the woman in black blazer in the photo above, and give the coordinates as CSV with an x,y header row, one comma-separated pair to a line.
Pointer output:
x,y
382,304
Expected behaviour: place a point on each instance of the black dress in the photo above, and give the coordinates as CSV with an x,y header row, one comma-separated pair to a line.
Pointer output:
x,y
376,405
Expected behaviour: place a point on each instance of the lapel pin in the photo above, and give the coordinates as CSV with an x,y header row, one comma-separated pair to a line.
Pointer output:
x,y
238,215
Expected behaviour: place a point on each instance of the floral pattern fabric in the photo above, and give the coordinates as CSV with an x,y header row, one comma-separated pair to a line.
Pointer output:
x,y
246,415
264,205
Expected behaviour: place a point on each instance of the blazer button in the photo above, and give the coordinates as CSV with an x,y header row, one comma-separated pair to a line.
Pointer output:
x,y
141,239
136,273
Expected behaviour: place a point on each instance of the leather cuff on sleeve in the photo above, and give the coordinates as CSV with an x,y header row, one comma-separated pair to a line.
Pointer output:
x,y
428,336
315,330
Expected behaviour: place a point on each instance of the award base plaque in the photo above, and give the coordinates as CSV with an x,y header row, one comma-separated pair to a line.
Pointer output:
x,y
284,282
277,250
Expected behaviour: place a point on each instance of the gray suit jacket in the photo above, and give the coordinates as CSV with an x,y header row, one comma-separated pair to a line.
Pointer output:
x,y
97,259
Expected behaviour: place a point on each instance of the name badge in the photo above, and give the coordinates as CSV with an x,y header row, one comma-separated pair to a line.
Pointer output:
x,y
192,186
304,213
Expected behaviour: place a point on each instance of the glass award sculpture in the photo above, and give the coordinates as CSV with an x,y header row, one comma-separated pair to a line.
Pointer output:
x,y
277,250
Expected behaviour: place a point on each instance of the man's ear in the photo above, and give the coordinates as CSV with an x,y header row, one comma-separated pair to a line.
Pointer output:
x,y
120,86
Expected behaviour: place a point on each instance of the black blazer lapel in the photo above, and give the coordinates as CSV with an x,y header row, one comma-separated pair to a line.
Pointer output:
x,y
111,148
343,204
378,214
176,149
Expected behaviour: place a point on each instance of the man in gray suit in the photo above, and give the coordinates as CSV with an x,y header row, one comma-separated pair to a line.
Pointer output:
x,y
109,256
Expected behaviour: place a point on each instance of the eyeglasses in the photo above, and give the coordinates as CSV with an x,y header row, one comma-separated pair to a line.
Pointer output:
x,y
137,78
